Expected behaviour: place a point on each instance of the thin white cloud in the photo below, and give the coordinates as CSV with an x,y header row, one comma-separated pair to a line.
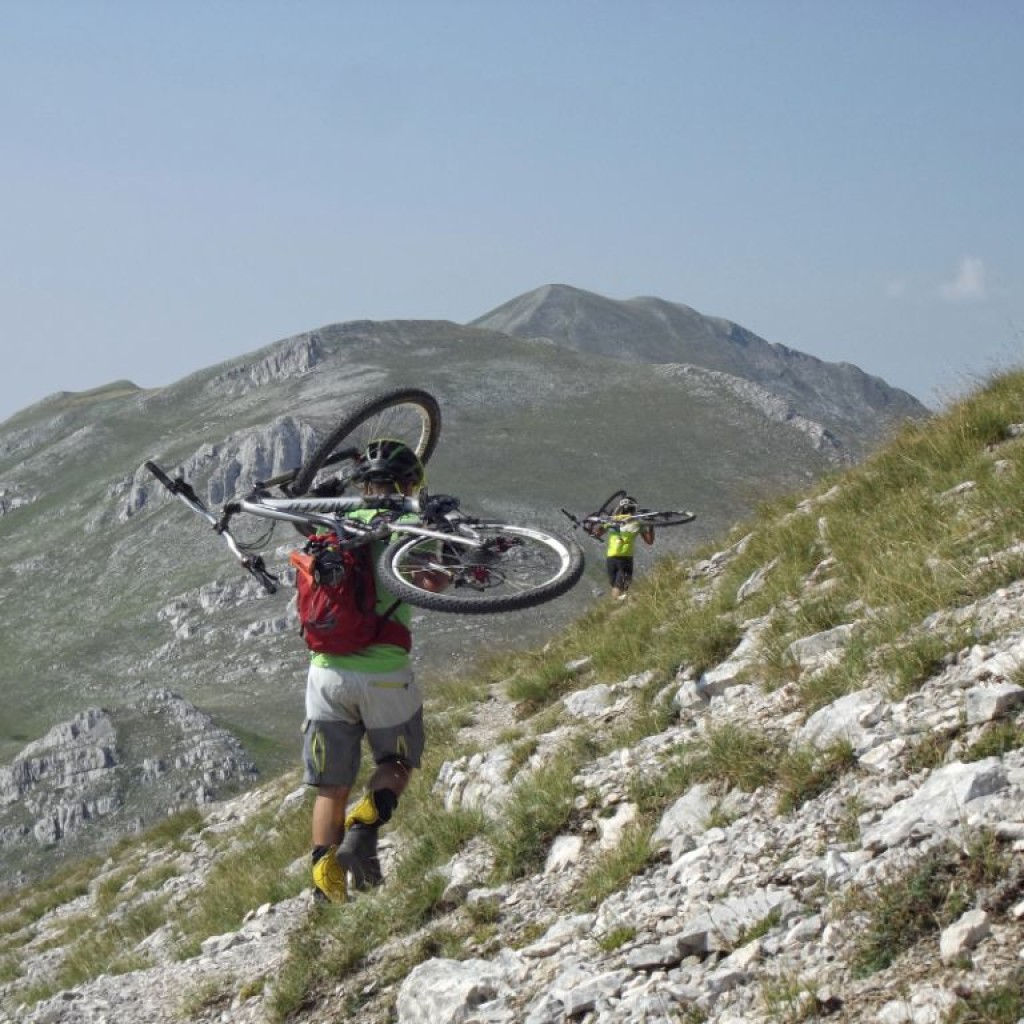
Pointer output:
x,y
968,284
896,288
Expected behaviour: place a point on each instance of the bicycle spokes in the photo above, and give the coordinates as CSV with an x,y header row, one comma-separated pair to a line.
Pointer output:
x,y
492,567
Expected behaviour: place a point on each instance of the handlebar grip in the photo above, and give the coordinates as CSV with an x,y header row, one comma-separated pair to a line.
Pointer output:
x,y
341,456
160,475
257,568
277,481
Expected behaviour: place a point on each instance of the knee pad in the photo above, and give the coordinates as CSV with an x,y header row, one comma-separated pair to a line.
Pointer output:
x,y
374,808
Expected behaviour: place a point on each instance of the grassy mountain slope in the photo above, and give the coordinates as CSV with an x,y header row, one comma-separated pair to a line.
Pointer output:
x,y
915,556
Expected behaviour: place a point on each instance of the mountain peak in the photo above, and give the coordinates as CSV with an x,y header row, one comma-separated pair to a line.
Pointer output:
x,y
653,330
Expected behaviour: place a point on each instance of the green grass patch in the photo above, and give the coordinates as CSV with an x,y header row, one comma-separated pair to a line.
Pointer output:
x,y
913,663
540,808
251,872
759,928
805,772
996,740
1000,1004
616,938
207,997
107,948
740,756
680,769
614,869
175,832
790,1001
928,751
540,681
929,895
10,970
22,907
821,688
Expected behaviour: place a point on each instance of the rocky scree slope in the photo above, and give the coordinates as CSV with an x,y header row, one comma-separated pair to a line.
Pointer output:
x,y
891,890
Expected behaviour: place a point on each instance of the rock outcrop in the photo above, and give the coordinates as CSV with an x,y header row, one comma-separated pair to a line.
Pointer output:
x,y
103,773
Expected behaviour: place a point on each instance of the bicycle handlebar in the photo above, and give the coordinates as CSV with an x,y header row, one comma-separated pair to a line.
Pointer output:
x,y
586,522
184,491
589,520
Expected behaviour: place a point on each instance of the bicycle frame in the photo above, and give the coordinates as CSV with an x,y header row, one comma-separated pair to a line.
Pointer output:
x,y
321,511
330,514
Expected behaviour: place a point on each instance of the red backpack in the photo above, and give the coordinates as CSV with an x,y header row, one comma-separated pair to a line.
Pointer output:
x,y
337,599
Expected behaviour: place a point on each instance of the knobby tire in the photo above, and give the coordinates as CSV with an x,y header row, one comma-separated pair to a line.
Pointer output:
x,y
410,415
519,567
609,503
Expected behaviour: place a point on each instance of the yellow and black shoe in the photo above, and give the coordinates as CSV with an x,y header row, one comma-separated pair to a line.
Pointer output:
x,y
329,881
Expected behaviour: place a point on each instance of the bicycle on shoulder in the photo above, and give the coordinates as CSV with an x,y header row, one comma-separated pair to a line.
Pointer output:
x,y
489,566
608,518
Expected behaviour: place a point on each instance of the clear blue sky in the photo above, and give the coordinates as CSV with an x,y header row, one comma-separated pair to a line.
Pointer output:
x,y
183,182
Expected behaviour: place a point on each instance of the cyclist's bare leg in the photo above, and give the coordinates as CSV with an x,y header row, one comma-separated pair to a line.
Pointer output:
x,y
331,801
620,576
386,785
329,815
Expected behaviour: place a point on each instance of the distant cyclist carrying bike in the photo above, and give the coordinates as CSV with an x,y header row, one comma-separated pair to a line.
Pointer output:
x,y
622,532
370,693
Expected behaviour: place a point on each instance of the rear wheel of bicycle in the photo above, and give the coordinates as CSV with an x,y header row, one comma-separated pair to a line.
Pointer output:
x,y
608,505
409,415
511,567
665,518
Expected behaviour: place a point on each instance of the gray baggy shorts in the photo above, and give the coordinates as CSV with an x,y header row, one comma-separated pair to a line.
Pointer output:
x,y
343,706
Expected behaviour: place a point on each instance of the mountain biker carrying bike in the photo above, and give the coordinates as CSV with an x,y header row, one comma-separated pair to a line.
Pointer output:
x,y
363,557
622,533
371,693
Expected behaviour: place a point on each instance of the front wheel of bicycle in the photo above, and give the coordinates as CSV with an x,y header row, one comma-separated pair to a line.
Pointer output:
x,y
410,415
507,568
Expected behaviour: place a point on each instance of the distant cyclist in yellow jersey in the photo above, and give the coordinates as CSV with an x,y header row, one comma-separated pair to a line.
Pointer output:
x,y
622,533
